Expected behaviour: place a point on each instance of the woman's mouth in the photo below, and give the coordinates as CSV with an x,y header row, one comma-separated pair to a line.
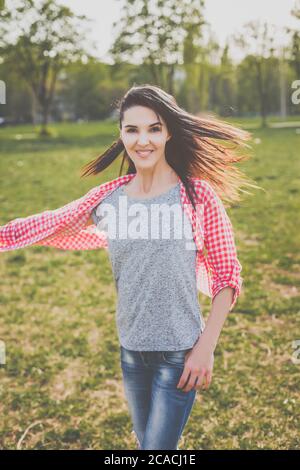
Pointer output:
x,y
144,153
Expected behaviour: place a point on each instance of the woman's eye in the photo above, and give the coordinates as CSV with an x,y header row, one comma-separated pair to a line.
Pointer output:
x,y
155,129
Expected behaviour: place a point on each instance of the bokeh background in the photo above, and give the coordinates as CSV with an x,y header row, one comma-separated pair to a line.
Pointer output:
x,y
63,66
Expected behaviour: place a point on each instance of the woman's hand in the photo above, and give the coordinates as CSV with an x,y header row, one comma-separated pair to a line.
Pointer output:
x,y
198,365
200,360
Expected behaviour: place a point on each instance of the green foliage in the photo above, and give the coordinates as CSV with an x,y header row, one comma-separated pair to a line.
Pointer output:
x,y
37,39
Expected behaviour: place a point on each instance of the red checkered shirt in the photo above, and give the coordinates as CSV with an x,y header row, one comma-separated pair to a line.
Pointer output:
x,y
65,228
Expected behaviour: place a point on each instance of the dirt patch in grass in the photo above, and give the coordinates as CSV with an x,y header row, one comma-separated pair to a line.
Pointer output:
x,y
65,382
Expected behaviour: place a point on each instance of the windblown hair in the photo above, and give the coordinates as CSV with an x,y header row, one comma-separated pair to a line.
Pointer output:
x,y
198,146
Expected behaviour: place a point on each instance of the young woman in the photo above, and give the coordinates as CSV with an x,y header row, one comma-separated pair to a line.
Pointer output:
x,y
166,353
177,175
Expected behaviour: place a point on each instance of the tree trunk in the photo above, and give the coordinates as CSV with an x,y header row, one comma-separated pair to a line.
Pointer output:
x,y
262,95
171,72
45,115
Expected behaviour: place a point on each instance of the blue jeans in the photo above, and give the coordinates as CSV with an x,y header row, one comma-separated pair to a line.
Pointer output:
x,y
159,411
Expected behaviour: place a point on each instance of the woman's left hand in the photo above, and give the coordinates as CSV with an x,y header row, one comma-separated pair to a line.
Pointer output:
x,y
198,365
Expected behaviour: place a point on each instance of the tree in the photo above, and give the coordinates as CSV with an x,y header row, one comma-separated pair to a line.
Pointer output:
x,y
226,84
18,108
37,39
153,34
200,55
295,40
86,91
261,38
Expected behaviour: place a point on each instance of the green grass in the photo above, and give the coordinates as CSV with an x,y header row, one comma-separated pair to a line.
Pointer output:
x,y
62,375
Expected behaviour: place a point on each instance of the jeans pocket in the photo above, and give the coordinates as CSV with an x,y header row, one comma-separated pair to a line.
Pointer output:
x,y
175,357
130,358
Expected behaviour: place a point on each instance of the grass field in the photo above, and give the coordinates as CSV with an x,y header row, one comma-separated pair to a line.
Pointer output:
x,y
61,386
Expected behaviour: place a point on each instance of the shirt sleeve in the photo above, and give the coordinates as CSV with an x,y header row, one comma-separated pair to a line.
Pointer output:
x,y
220,245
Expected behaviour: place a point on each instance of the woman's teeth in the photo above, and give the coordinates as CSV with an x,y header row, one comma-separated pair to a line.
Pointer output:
x,y
144,153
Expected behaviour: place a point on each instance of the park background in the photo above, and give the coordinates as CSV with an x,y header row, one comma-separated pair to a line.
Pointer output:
x,y
61,386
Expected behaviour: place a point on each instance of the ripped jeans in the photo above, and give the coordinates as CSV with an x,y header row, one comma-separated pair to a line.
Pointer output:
x,y
159,411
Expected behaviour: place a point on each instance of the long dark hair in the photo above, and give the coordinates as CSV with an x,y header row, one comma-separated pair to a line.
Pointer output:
x,y
191,151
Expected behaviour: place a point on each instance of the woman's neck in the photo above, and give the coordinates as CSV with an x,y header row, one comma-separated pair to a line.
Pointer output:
x,y
151,183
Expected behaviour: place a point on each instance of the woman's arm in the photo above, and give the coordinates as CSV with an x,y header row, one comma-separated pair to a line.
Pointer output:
x,y
219,241
216,319
200,360
226,287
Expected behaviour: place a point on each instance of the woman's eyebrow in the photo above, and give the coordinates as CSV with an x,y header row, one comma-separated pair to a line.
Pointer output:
x,y
150,125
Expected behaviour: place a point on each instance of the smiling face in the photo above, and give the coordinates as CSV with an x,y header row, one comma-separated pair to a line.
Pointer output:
x,y
144,135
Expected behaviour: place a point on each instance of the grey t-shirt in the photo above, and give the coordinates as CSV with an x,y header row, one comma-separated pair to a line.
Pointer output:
x,y
155,278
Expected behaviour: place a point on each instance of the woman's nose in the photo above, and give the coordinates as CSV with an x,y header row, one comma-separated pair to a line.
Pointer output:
x,y
143,139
